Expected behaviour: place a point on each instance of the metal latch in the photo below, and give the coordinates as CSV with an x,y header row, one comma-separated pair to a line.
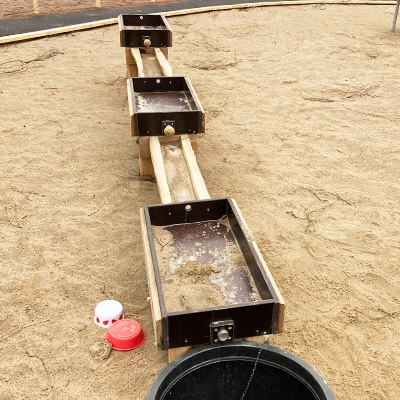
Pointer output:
x,y
222,331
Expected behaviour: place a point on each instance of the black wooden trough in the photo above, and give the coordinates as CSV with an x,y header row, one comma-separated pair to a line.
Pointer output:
x,y
204,230
146,30
162,101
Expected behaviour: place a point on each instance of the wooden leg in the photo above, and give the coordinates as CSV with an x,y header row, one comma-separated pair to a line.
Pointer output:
x,y
131,68
146,167
177,352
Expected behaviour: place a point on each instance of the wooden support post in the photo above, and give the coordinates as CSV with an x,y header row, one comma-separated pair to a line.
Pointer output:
x,y
159,171
164,64
138,60
151,281
177,352
198,184
146,168
131,68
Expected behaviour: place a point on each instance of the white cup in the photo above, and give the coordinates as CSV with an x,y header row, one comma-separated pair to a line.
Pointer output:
x,y
107,312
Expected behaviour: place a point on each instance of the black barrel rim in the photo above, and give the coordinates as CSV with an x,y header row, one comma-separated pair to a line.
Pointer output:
x,y
232,351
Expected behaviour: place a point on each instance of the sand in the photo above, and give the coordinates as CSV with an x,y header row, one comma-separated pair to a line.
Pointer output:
x,y
302,130
201,266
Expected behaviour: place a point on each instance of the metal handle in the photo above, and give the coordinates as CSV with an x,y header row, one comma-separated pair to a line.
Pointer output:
x,y
169,130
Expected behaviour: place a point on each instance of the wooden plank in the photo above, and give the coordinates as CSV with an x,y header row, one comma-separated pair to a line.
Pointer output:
x,y
151,281
164,64
146,168
271,4
151,65
129,97
165,50
144,149
130,104
120,22
138,60
198,184
159,171
266,269
177,352
131,67
177,173
57,31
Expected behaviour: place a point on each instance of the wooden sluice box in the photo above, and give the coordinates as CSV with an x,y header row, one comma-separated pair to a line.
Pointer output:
x,y
207,281
161,102
144,31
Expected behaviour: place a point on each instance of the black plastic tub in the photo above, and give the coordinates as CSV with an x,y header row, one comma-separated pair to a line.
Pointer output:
x,y
223,371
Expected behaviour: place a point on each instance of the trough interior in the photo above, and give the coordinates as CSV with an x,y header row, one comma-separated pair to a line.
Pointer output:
x,y
204,245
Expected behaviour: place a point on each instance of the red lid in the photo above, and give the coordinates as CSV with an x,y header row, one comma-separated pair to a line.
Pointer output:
x,y
125,334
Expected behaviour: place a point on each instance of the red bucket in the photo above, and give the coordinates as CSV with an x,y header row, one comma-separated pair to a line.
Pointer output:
x,y
125,334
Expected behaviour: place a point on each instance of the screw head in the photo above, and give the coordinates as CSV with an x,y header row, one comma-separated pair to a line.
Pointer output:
x,y
223,335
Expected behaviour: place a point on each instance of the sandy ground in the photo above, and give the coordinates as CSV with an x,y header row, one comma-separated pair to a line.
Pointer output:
x,y
302,130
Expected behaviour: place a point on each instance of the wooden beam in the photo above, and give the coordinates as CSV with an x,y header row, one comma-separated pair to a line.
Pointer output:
x,y
159,171
272,4
164,64
177,352
130,104
151,281
144,149
150,65
131,67
129,97
119,18
198,184
57,31
177,173
138,60
146,168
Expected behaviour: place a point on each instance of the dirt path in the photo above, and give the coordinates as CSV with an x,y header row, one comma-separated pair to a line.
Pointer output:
x,y
302,130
